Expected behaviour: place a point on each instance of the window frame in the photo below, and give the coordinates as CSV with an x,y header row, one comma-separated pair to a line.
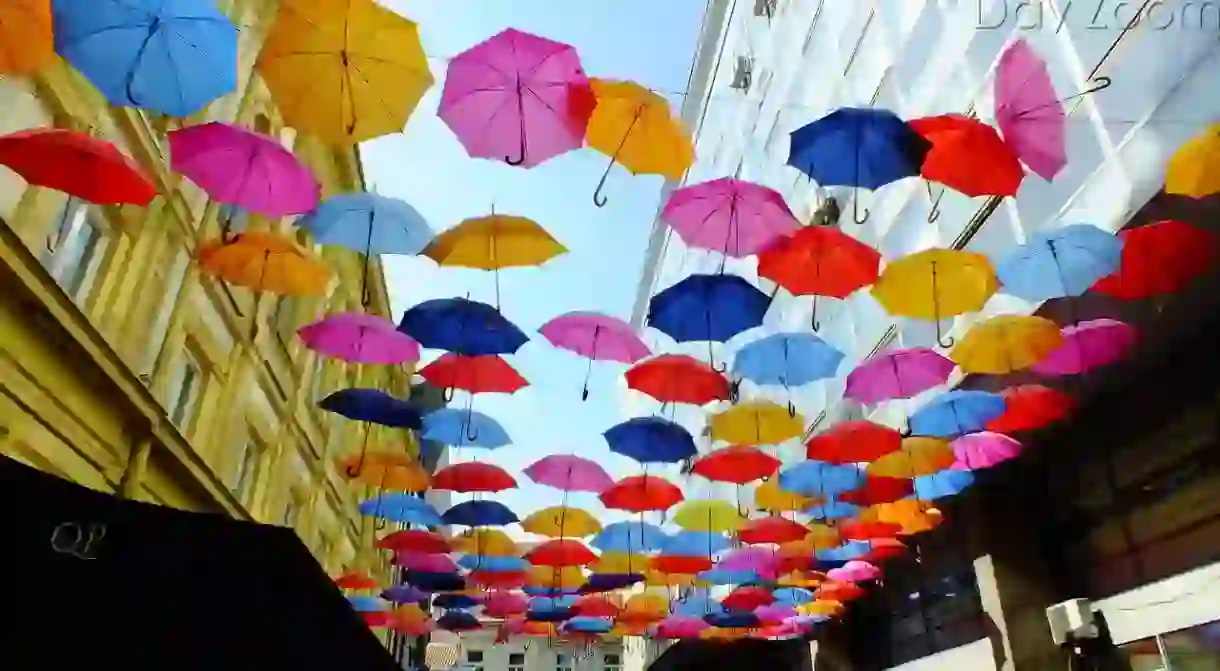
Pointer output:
x,y
249,470
76,278
182,403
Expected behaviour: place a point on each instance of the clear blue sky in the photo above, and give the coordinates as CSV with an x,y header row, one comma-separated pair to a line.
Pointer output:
x,y
648,41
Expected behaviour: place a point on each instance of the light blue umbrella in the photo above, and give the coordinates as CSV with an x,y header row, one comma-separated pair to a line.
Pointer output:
x,y
695,544
943,484
845,552
721,576
544,604
793,596
168,56
401,507
833,510
818,478
474,562
955,413
630,538
589,625
369,224
698,603
1060,263
464,428
787,360
367,604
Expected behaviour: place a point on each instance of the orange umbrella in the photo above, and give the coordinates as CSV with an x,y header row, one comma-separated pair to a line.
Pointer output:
x,y
355,580
263,261
26,41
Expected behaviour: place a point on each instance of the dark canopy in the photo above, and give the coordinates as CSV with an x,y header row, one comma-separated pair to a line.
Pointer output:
x,y
791,655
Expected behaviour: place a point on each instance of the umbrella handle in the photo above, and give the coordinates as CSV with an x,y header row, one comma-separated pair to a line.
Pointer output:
x,y
584,393
791,409
520,156
598,199
379,524
735,391
472,432
934,213
721,368
447,394
946,341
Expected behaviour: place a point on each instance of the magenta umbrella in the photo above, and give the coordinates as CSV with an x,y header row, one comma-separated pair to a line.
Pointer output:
x,y
730,216
570,473
517,97
983,450
1029,112
901,373
1088,345
357,337
239,167
677,626
774,613
854,571
761,560
504,604
597,337
414,561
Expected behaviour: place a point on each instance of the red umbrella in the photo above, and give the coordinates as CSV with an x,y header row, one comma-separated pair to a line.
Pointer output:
x,y
475,374
867,531
772,529
561,552
642,493
677,378
415,540
1160,258
1030,407
682,564
852,442
839,591
969,156
748,599
884,548
472,476
595,606
820,261
77,164
355,580
793,559
498,579
876,490
738,465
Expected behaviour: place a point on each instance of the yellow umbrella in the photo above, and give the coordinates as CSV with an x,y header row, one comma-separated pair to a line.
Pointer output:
x,y
711,516
797,579
821,536
820,607
920,455
344,71
770,498
262,261
935,284
634,127
757,423
485,542
394,471
645,606
619,562
1007,343
656,578
493,242
556,577
913,516
1194,169
561,521
723,634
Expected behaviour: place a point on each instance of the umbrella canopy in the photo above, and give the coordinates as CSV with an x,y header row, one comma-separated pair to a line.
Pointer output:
x,y
737,465
1030,407
596,337
936,284
630,537
730,216
393,471
1029,112
919,456
968,156
487,374
369,224
642,493
1160,258
358,337
462,326
26,32
569,473
956,412
464,428
561,521
493,242
787,359
756,423
262,261
819,261
472,476
769,497
1060,263
678,378
1006,343
1088,345
403,508
711,308
903,373
372,405
479,514
75,163
707,516
651,440
853,441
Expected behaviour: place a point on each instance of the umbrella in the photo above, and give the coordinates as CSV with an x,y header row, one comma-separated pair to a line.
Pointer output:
x,y
771,529
560,522
730,216
1193,170
170,57
472,476
903,373
871,531
919,455
75,163
676,626
596,337
787,359
242,168
942,484
1160,258
486,374
345,72
855,571
630,537
485,542
1060,263
956,412
394,471
1028,110
633,126
518,98
560,552
454,601
458,620
618,563
431,563
591,625
768,497
833,509
464,428
1088,345
968,156
984,450
857,147
404,594
641,493
756,423
415,540
913,516
357,337
936,284
1006,343
479,514
1030,407
26,32
263,261
853,441
356,580
372,405
678,378
711,308
886,489
815,478
819,261
462,326
707,516
402,508
504,604
651,440
691,562
497,564
569,473
738,465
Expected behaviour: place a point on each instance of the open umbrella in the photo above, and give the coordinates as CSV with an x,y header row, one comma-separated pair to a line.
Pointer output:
x,y
630,537
788,360
955,413
1163,257
651,440
472,476
357,337
903,373
461,326
486,374
77,164
1088,345
678,378
1006,343
25,30
387,470
1061,263
463,427
967,156
936,284
402,508
919,456
1030,407
769,497
984,450
708,308
641,493
262,261
881,489
479,514
596,337
819,261
561,522
730,216
569,473
737,465
1028,110
1194,170
853,441
756,423
371,406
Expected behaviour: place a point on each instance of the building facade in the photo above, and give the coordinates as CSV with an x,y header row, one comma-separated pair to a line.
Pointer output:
x,y
480,652
125,369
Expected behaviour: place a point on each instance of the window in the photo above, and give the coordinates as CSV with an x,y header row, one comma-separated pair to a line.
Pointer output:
x,y
474,659
249,466
743,73
765,8
563,662
292,512
184,391
165,308
72,253
611,662
516,661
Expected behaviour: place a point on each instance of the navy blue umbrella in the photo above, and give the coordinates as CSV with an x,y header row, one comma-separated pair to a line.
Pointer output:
x,y
462,326
479,514
732,620
373,406
858,147
550,615
651,440
458,620
454,601
711,308
608,582
430,581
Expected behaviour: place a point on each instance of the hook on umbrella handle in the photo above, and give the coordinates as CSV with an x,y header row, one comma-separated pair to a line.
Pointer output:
x,y
721,368
1100,84
447,394
584,393
946,341
598,199
520,157
472,432
735,391
861,220
366,296
380,524
791,409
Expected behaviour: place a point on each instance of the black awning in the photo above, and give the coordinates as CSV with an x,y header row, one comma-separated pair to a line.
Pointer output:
x,y
790,655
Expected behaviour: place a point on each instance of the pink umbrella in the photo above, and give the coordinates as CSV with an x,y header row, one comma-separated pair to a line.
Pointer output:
x,y
517,97
504,604
414,561
676,626
730,216
774,613
357,337
761,560
983,450
570,473
242,168
854,571
1088,345
596,337
899,374
1029,112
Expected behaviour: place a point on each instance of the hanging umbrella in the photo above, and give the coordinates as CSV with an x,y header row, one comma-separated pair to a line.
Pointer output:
x,y
372,405
833,509
170,57
596,337
755,560
472,476
651,440
708,308
479,514
630,537
569,473
415,540
886,489
983,450
1088,345
943,484
464,428
1060,263
814,478
561,552
239,167
358,580
968,156
771,529
678,378
687,564
1160,258
730,216
737,465
634,127
913,516
262,262
756,423
561,522
401,507
936,284
390,471
712,516
454,601
517,98
787,360
560,578
919,456
486,374
819,261
430,563
27,36
956,412
478,562
618,562
462,326
747,599
872,531
1031,407
1029,112
855,571
641,493
1006,343
485,543
405,594
435,582
75,163
897,374
768,497
357,337
1193,170
344,72
458,620
504,604
853,441
494,242
862,148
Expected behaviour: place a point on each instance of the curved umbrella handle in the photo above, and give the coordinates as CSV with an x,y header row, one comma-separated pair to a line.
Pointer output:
x,y
472,431
520,155
447,394
735,391
584,393
934,213
946,341
598,199
791,409
380,524
721,368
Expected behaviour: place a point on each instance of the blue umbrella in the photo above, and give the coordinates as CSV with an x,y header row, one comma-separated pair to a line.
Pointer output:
x,y
787,359
630,537
454,601
845,552
366,604
721,576
819,479
494,564
858,147
373,405
462,326
589,625
169,57
943,484
542,604
698,604
479,514
696,544
536,590
651,440
464,428
1060,263
401,507
833,509
793,596
955,413
608,582
432,581
711,308
557,615
732,620
458,620
404,594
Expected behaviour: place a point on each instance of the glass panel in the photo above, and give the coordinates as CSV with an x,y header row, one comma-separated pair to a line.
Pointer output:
x,y
184,393
71,251
160,325
248,470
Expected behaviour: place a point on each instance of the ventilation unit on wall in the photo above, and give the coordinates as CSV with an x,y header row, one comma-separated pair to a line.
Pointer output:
x,y
765,8
1072,621
743,74
827,214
